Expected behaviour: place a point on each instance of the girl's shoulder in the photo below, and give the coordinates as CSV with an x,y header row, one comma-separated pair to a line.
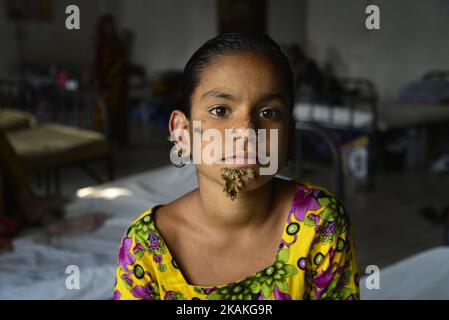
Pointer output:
x,y
149,215
300,189
319,209
142,224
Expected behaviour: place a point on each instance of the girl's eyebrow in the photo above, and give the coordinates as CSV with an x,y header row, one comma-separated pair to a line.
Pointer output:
x,y
218,94
265,98
273,96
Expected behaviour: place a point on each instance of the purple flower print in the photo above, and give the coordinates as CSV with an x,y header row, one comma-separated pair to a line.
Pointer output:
x,y
127,278
138,247
209,290
157,258
315,218
305,200
125,257
154,244
117,295
325,277
152,238
279,295
330,229
169,295
143,292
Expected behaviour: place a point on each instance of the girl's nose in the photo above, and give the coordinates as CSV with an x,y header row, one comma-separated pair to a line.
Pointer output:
x,y
246,123
245,130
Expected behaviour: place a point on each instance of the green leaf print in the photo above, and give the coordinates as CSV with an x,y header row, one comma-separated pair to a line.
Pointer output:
x,y
344,293
127,285
131,232
290,270
262,282
255,287
266,290
282,285
283,256
328,214
309,222
324,201
236,291
139,254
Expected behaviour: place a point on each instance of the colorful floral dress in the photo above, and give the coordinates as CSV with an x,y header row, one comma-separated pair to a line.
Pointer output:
x,y
315,259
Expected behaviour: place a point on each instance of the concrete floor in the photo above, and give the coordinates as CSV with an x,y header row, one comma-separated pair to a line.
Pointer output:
x,y
386,221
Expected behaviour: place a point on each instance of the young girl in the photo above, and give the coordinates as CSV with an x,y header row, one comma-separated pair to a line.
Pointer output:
x,y
241,234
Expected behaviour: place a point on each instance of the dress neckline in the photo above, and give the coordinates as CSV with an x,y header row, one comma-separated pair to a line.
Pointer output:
x,y
181,274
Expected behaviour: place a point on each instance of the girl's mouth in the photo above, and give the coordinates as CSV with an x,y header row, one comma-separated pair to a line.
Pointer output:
x,y
242,160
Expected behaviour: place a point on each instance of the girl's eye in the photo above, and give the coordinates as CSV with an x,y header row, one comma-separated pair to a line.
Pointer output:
x,y
269,114
219,111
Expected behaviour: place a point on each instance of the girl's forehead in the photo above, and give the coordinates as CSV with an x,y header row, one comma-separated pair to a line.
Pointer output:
x,y
240,73
237,64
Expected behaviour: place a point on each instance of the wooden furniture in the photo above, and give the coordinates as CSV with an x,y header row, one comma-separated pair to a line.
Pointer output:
x,y
72,131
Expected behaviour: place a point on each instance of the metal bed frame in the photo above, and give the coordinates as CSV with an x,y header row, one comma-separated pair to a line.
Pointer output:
x,y
338,178
359,94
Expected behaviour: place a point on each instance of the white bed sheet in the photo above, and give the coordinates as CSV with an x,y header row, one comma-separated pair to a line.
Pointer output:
x,y
36,268
391,115
341,115
422,276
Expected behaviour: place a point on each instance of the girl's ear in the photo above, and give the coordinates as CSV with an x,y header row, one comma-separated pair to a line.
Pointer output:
x,y
177,123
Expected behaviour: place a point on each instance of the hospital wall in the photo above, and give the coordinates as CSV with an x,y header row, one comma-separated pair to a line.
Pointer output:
x,y
48,42
413,38
168,32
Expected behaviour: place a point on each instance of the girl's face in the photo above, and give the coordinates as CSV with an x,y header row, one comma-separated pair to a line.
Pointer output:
x,y
240,91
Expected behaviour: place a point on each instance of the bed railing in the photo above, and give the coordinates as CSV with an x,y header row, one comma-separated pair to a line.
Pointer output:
x,y
79,108
11,94
75,108
337,166
356,95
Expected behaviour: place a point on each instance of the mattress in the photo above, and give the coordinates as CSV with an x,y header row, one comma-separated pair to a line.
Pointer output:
x,y
391,115
422,276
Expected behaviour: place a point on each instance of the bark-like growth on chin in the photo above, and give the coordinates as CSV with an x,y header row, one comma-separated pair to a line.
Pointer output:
x,y
233,180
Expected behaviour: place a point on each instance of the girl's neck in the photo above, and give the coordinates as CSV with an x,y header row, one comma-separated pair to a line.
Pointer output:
x,y
217,212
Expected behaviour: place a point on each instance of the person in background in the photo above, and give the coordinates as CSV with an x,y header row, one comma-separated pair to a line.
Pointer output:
x,y
107,76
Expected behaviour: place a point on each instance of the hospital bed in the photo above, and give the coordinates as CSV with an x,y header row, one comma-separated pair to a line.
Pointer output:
x,y
36,269
422,276
367,116
53,129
